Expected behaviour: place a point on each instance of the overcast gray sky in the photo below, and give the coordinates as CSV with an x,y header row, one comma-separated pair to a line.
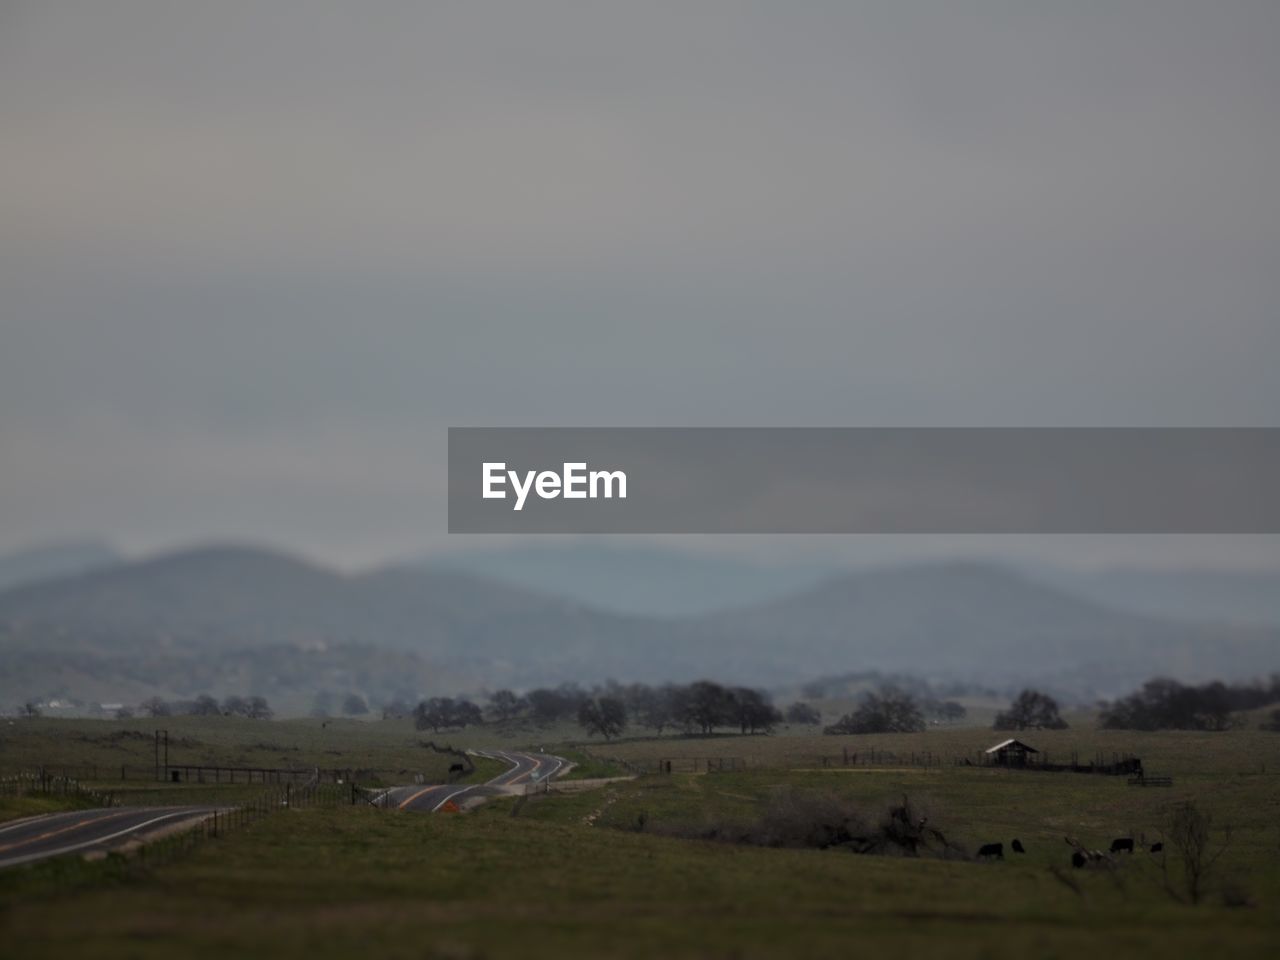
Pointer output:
x,y
254,258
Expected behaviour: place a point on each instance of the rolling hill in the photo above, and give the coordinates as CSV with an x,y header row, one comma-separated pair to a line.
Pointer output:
x,y
235,619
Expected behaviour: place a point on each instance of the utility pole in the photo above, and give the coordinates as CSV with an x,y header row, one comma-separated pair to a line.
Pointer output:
x,y
165,768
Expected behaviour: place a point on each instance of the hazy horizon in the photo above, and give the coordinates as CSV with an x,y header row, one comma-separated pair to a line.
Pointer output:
x,y
247,286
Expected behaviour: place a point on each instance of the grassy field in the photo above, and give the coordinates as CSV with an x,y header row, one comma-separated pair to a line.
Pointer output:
x,y
392,746
323,883
1174,753
609,871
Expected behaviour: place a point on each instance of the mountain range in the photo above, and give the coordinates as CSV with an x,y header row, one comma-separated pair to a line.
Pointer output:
x,y
240,620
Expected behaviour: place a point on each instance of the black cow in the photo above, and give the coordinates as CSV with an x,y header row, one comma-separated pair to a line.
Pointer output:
x,y
457,768
1122,844
1017,846
1157,847
993,850
1078,859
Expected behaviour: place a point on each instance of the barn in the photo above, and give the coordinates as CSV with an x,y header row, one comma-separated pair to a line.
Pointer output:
x,y
1011,753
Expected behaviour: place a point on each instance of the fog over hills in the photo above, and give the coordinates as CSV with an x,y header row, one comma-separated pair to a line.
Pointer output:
x,y
665,581
52,560
644,580
237,619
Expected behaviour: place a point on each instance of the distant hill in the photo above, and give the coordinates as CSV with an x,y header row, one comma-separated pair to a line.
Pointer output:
x,y
53,560
1227,597
984,622
235,619
230,604
641,580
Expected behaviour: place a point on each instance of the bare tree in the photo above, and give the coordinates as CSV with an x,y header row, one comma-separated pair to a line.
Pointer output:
x,y
1189,834
606,716
506,704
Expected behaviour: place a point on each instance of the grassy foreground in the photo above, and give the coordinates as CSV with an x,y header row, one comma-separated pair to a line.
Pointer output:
x,y
608,872
567,877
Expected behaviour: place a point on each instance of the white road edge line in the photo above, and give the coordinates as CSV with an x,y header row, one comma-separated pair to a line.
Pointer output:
x,y
56,817
14,861
452,795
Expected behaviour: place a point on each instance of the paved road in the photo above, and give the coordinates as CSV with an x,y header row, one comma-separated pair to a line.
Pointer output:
x,y
82,831
525,768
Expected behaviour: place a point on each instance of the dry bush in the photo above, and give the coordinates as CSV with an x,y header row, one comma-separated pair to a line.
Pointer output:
x,y
822,820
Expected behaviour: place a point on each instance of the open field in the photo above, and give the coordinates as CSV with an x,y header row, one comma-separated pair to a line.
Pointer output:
x,y
1175,753
389,746
610,871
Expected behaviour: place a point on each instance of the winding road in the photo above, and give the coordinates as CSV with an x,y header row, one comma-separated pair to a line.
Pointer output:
x,y
526,768
85,831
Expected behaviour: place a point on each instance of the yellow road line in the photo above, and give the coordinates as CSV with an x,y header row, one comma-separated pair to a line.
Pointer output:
x,y
401,806
53,833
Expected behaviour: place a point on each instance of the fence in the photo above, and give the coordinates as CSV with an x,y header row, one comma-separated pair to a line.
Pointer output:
x,y
179,843
1144,781
1114,764
208,773
49,785
869,757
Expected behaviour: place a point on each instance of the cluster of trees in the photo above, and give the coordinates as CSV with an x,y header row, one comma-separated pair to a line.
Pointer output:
x,y
1032,710
607,711
1164,704
891,709
925,692
441,713
254,708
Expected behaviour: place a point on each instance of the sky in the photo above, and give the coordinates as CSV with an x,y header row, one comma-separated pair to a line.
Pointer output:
x,y
255,258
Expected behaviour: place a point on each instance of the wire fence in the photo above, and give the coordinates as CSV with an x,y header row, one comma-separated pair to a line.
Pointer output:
x,y
869,757
1110,764
221,822
215,774
51,785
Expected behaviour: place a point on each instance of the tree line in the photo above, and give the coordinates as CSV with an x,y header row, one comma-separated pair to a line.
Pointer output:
x,y
607,710
705,707
1164,704
251,707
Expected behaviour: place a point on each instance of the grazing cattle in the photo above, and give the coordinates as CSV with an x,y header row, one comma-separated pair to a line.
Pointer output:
x,y
457,768
1078,859
1122,844
1157,847
1017,846
993,850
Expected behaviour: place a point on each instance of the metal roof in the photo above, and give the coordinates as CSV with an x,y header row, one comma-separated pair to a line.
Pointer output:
x,y
1004,745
